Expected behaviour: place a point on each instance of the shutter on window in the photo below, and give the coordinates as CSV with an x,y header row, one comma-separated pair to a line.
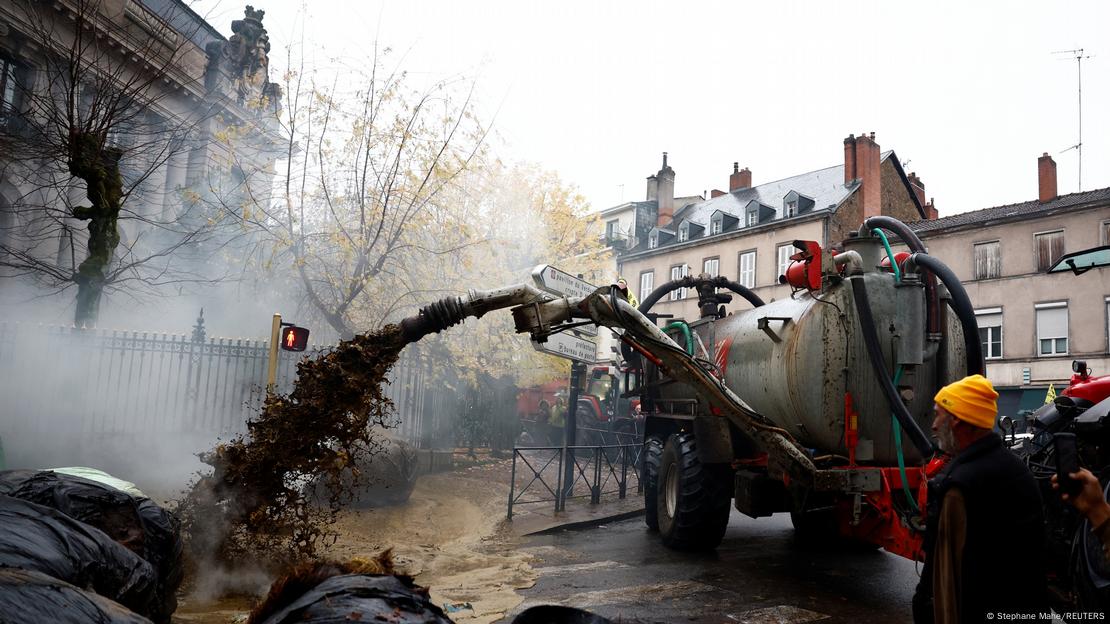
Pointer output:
x,y
1052,323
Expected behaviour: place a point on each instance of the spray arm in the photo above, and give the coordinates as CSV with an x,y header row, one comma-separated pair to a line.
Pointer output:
x,y
449,311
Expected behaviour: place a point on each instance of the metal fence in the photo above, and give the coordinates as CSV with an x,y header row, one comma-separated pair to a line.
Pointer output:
x,y
538,474
107,382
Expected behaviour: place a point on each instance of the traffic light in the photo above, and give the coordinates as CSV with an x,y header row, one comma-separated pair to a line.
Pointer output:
x,y
294,338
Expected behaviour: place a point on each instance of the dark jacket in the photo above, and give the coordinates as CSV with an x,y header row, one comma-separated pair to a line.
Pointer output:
x,y
1001,566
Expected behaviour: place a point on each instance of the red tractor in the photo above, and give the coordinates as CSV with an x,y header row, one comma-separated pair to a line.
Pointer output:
x,y
605,415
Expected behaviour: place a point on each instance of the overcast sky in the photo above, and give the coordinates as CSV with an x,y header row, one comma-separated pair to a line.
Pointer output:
x,y
968,94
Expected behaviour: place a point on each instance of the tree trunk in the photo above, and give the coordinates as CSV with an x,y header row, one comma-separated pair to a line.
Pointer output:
x,y
98,165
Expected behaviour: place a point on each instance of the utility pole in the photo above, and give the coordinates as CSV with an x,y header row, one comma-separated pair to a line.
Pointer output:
x,y
1078,56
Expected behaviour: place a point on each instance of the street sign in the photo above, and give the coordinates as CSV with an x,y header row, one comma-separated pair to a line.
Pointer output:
x,y
567,346
560,282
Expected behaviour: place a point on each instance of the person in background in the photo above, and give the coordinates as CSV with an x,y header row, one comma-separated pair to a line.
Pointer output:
x,y
983,502
622,284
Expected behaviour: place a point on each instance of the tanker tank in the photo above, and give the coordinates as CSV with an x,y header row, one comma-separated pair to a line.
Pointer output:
x,y
793,361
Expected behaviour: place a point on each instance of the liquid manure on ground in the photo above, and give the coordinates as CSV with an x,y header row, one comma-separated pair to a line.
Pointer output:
x,y
257,502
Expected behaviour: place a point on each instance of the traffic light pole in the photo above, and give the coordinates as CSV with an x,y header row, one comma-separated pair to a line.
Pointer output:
x,y
577,370
275,339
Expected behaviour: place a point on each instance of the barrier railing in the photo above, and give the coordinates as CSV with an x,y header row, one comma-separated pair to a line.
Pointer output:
x,y
603,469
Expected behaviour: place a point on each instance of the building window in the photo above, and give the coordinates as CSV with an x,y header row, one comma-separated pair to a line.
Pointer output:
x,y
990,331
752,217
711,267
747,269
1104,234
791,208
653,241
678,272
683,235
988,260
1052,328
715,226
647,284
784,253
1050,246
8,86
611,229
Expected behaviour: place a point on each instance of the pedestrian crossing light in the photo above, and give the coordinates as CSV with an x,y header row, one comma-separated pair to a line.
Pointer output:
x,y
294,338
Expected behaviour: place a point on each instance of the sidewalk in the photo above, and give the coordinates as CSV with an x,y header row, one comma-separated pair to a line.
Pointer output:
x,y
536,518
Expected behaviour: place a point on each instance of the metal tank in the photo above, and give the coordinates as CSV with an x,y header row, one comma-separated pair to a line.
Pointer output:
x,y
793,361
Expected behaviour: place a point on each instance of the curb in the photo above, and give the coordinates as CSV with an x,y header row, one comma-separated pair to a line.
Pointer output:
x,y
586,524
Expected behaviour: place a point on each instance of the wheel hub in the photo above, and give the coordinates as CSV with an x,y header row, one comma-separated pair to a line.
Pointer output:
x,y
671,490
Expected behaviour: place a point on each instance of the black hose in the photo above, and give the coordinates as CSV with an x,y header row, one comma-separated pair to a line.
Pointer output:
x,y
961,304
693,282
910,238
878,364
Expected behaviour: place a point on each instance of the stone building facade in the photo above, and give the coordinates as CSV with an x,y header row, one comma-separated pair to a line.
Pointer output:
x,y
1032,324
192,78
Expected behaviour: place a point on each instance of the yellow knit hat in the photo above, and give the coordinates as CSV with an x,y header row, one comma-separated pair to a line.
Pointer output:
x,y
971,399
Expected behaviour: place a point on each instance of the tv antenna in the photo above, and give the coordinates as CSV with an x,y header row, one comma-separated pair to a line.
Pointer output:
x,y
1078,55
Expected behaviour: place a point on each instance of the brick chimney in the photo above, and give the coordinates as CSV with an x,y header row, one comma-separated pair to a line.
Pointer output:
x,y
716,193
740,178
863,162
931,211
1046,178
665,196
918,188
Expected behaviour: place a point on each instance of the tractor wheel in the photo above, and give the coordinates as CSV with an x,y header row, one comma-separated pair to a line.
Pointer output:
x,y
649,479
693,500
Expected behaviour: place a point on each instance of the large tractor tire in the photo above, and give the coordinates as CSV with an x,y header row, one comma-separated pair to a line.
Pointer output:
x,y
693,499
649,479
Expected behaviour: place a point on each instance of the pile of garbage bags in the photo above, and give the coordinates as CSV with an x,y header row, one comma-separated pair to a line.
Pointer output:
x,y
77,545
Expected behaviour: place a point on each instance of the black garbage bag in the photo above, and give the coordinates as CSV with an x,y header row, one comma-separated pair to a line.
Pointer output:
x,y
555,614
40,539
137,523
359,597
27,596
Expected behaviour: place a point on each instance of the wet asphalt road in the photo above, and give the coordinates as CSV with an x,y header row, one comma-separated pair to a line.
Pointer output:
x,y
758,574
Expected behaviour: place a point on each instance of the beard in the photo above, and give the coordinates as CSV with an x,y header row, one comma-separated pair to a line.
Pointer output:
x,y
946,439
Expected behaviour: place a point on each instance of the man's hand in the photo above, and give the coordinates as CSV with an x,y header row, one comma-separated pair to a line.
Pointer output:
x,y
1089,501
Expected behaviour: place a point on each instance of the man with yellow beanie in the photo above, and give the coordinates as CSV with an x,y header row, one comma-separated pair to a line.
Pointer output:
x,y
984,532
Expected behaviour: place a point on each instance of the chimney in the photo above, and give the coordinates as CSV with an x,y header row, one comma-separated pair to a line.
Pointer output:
x,y
740,178
716,193
866,164
918,188
931,211
665,196
1046,178
850,158
652,188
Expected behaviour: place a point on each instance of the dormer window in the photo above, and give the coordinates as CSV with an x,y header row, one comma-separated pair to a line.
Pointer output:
x,y
715,227
753,218
683,235
795,204
653,241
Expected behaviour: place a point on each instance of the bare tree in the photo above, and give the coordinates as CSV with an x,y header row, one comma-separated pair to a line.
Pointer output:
x,y
357,211
104,110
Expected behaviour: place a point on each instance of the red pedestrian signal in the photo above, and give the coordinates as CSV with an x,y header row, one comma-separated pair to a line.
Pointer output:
x,y
294,338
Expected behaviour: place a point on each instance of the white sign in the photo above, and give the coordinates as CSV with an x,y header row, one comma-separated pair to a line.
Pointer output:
x,y
567,346
560,282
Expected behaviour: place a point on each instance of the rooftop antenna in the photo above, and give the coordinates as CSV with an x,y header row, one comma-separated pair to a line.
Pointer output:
x,y
1078,56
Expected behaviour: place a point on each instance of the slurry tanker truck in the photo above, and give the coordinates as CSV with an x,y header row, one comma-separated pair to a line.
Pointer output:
x,y
816,404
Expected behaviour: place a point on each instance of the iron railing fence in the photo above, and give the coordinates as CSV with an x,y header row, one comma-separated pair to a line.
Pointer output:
x,y
125,382
603,469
